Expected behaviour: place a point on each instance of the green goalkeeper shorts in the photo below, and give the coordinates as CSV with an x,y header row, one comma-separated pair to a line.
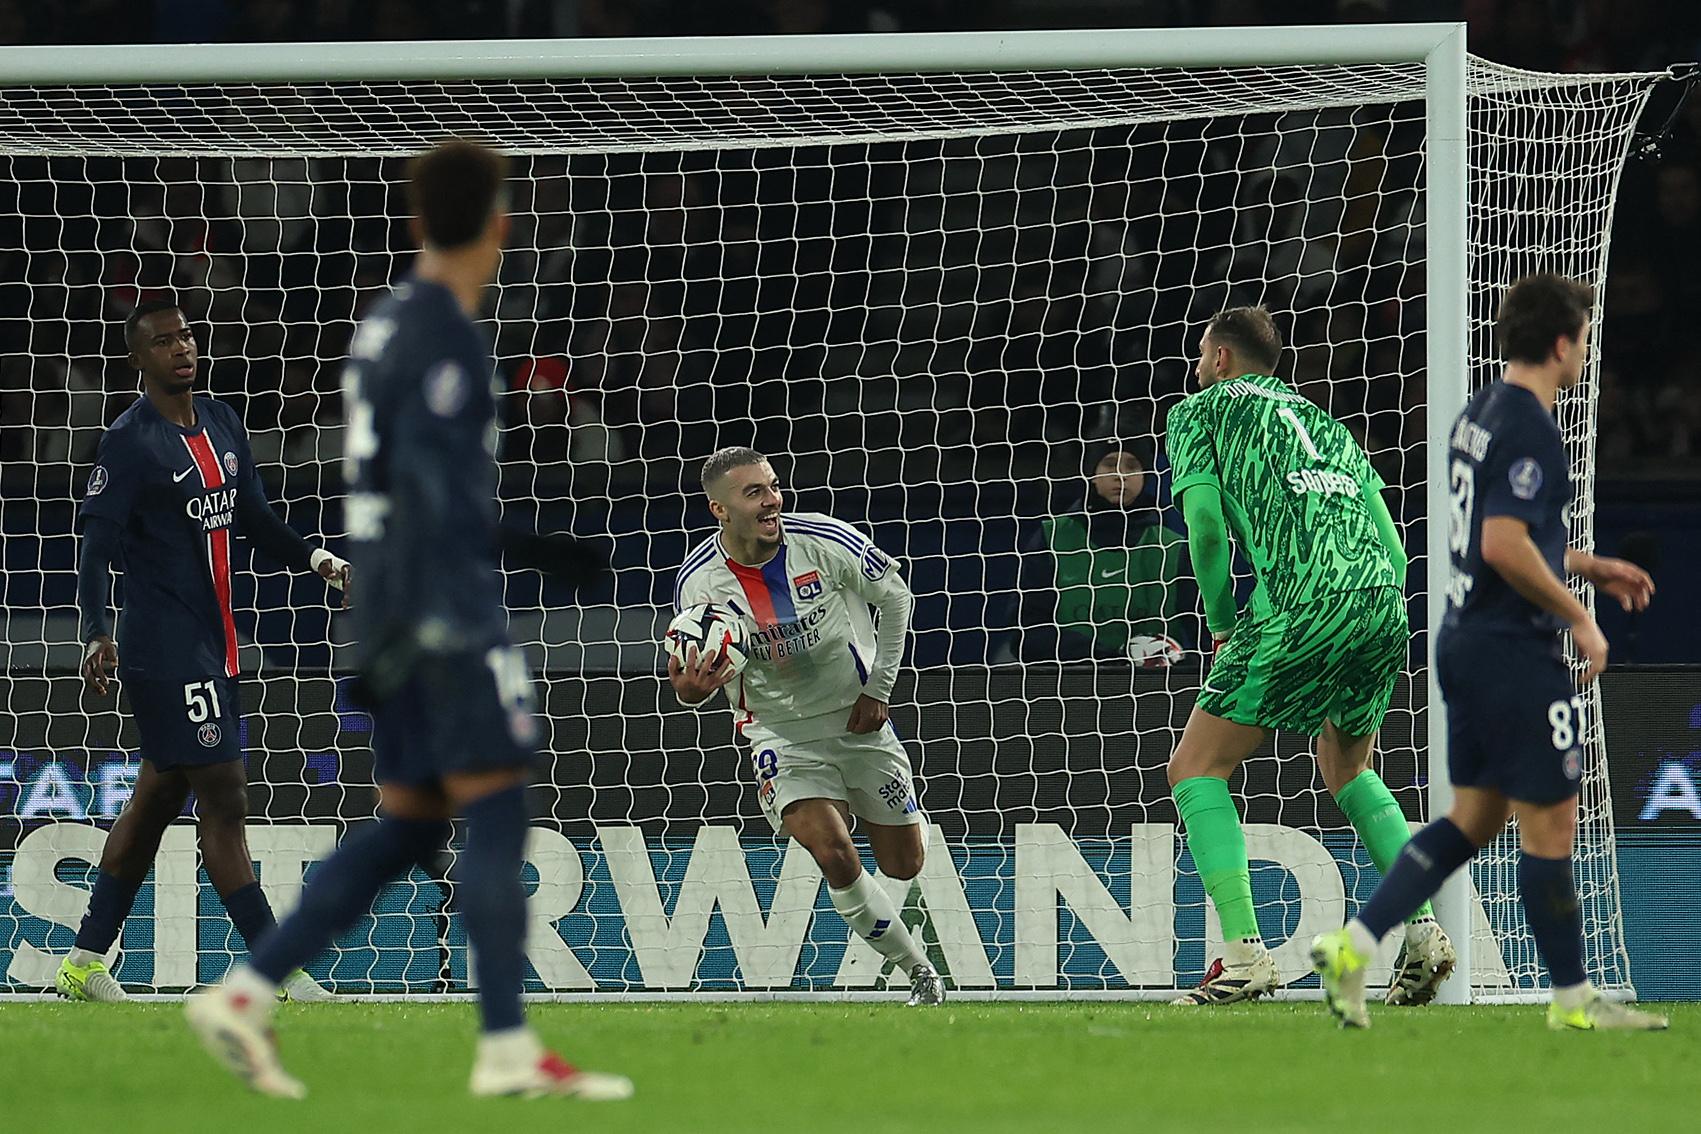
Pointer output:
x,y
1333,660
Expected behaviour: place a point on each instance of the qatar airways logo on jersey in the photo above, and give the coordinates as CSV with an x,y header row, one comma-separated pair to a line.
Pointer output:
x,y
212,510
1303,481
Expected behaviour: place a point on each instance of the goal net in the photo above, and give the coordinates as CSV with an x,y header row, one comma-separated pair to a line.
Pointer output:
x,y
937,300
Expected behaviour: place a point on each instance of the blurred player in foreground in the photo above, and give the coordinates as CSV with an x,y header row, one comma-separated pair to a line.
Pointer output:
x,y
812,700
1317,650
173,479
453,728
1515,728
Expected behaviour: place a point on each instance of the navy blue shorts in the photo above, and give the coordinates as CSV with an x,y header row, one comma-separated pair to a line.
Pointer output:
x,y
456,713
186,723
1514,716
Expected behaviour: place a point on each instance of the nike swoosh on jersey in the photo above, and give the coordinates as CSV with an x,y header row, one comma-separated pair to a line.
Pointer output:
x,y
177,477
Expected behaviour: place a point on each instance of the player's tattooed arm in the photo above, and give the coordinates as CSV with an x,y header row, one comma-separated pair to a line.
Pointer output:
x,y
1621,579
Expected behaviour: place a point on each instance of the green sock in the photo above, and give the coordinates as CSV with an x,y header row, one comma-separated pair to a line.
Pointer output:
x,y
1219,851
1371,809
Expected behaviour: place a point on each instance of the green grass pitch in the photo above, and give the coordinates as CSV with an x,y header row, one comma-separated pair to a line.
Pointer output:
x,y
870,1067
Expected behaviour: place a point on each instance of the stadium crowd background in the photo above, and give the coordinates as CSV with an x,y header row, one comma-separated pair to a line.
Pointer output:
x,y
655,306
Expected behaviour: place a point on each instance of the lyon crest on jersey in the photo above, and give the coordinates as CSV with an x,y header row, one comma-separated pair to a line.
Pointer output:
x,y
808,585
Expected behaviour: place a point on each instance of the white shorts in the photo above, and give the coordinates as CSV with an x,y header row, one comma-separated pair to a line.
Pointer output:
x,y
869,773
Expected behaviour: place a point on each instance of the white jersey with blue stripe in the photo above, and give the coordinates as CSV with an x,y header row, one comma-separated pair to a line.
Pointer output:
x,y
813,643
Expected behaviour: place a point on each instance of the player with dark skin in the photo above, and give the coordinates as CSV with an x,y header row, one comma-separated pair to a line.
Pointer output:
x,y
163,348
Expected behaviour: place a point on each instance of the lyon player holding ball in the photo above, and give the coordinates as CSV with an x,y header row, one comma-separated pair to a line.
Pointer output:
x,y
812,699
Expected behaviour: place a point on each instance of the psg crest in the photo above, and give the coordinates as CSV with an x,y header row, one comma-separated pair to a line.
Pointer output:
x,y
230,463
208,734
808,585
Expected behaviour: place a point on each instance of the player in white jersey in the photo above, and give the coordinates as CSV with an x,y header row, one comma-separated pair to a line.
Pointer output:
x,y
812,700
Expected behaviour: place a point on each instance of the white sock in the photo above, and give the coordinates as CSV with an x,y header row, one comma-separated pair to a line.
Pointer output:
x,y
867,910
510,1045
1363,940
81,957
1239,954
1573,996
262,994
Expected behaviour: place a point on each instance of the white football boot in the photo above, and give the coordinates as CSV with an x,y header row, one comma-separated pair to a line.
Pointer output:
x,y
522,1066
1598,1014
1426,959
236,1029
925,987
1234,983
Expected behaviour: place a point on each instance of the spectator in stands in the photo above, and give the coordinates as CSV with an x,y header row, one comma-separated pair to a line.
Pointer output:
x,y
14,26
1521,33
1103,577
1677,196
557,421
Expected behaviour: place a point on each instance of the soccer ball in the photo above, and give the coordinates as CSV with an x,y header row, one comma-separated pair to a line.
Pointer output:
x,y
708,628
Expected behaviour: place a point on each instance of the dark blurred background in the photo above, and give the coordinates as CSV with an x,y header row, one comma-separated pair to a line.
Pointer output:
x,y
656,306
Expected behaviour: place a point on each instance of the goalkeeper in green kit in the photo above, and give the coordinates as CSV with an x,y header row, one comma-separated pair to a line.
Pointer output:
x,y
1317,649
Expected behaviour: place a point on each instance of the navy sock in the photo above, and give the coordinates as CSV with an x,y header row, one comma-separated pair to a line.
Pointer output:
x,y
343,888
1423,864
109,905
250,913
1556,919
492,901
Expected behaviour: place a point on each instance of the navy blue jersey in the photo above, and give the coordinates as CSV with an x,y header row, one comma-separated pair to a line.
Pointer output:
x,y
1506,458
173,497
419,459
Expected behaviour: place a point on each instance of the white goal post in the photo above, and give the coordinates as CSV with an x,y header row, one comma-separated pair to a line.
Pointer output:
x,y
644,884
